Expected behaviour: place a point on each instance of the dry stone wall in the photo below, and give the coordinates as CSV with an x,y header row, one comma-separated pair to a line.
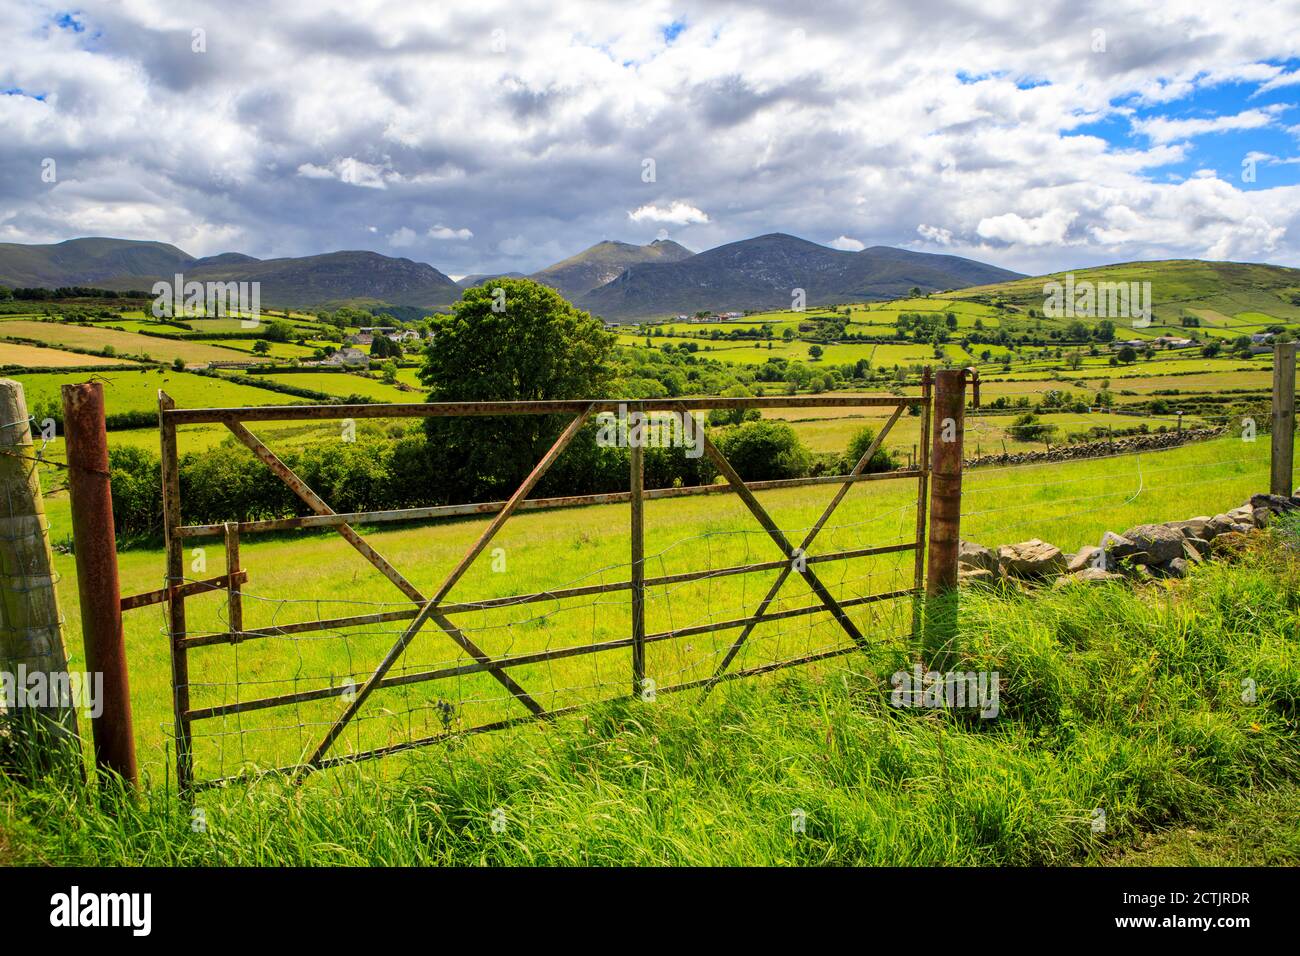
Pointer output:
x,y
1145,551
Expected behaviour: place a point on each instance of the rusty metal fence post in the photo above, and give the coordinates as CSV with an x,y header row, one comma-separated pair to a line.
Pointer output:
x,y
637,482
95,546
922,492
1283,457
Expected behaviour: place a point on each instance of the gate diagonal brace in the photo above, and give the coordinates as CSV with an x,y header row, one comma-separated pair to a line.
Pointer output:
x,y
764,519
428,606
768,598
318,505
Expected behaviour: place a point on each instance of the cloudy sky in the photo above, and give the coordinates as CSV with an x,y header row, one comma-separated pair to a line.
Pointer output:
x,y
486,136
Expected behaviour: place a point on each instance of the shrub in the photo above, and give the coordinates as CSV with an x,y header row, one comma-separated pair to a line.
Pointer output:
x,y
882,460
765,450
137,493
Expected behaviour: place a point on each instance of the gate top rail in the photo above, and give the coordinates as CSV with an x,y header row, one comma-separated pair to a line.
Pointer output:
x,y
275,413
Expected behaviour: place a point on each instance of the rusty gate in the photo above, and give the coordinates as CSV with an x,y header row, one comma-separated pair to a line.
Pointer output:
x,y
421,607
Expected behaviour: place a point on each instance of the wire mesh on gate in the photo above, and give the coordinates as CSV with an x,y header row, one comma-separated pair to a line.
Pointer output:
x,y
298,681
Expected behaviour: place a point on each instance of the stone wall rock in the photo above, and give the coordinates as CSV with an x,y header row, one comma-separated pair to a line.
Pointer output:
x,y
1144,552
1099,449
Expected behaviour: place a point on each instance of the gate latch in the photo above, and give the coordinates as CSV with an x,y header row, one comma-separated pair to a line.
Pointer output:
x,y
971,375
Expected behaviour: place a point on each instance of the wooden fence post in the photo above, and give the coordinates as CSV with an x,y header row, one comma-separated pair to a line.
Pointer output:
x,y
41,733
1283,459
947,443
947,430
636,438
171,502
95,545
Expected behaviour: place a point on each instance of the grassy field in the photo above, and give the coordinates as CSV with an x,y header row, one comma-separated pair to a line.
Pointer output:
x,y
137,390
985,434
126,343
343,384
35,356
201,325
1113,701
313,576
278,350
753,353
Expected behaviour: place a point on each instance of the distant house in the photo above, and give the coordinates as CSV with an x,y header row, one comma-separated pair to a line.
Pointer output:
x,y
1261,338
1174,342
611,326
363,338
409,335
349,357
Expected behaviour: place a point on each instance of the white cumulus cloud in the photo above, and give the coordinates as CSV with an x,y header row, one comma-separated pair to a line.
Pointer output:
x,y
449,234
677,213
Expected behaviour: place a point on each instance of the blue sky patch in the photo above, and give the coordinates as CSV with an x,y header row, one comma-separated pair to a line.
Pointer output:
x,y
1220,127
69,21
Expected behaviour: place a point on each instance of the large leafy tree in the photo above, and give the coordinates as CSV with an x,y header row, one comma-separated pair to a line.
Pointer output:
x,y
508,340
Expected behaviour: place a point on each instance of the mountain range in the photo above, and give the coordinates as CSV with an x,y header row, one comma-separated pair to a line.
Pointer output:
x,y
616,280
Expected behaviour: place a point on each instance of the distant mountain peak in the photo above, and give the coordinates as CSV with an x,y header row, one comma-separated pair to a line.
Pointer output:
x,y
604,262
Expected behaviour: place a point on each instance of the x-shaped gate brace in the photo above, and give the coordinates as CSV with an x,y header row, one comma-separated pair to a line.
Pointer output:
x,y
430,607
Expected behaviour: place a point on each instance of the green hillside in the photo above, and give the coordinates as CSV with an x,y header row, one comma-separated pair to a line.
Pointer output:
x,y
1224,298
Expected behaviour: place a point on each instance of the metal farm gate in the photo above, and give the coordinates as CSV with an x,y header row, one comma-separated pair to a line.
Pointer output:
x,y
419,607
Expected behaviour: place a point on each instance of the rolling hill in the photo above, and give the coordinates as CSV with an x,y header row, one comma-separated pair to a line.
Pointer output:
x,y
311,280
761,273
1221,297
305,281
88,262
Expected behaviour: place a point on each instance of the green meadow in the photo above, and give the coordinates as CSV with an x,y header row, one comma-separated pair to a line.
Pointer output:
x,y
136,390
124,343
1115,699
315,575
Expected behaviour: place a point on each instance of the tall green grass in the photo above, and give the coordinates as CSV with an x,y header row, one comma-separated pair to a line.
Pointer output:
x,y
308,576
1129,701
